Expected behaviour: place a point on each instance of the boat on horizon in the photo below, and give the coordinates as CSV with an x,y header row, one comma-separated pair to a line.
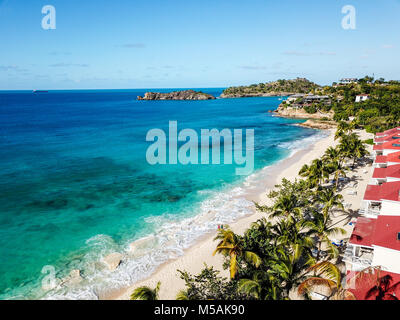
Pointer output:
x,y
39,91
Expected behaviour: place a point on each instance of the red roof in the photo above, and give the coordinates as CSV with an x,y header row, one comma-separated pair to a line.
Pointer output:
x,y
359,284
372,192
389,172
392,145
386,231
378,147
388,137
393,157
385,191
379,173
388,132
381,159
363,232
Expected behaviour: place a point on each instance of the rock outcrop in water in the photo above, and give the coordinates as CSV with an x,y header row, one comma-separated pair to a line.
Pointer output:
x,y
177,95
319,124
113,260
300,113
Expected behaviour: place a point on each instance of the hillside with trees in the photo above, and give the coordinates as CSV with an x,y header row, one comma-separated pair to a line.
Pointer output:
x,y
275,88
380,112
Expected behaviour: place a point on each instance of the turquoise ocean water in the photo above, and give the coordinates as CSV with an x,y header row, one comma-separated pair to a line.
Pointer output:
x,y
75,185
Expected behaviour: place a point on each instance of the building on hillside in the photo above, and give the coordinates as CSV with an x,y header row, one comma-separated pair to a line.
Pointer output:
x,y
303,100
348,80
362,97
317,99
294,97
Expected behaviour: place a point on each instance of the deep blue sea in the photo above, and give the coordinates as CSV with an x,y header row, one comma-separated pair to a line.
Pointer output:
x,y
75,185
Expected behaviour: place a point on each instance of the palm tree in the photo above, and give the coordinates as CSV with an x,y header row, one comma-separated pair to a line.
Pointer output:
x,y
290,233
250,287
287,206
339,170
262,225
146,293
321,226
287,267
329,199
352,147
345,147
334,160
344,128
315,173
182,295
359,150
231,245
324,274
331,154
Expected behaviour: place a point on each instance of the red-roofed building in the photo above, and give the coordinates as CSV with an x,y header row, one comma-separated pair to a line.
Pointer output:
x,y
363,232
386,243
380,162
387,138
386,161
388,174
362,285
374,242
387,147
388,132
381,199
359,251
393,158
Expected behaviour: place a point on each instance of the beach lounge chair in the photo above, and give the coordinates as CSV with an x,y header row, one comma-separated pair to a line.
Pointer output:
x,y
318,296
338,243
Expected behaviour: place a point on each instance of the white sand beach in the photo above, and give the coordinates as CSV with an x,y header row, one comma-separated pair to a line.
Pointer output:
x,y
194,258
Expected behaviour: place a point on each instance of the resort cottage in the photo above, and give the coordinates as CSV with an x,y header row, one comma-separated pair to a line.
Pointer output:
x,y
362,97
386,161
383,199
348,80
387,148
375,240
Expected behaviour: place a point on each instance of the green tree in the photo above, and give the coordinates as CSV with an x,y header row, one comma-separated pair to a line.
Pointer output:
x,y
146,293
230,245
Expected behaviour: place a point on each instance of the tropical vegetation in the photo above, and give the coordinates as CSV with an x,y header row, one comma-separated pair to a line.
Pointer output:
x,y
288,252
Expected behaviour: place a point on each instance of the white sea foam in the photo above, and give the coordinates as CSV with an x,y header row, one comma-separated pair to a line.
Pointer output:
x,y
297,145
173,236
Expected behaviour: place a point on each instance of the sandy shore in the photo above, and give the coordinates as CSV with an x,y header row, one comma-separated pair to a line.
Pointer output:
x,y
194,258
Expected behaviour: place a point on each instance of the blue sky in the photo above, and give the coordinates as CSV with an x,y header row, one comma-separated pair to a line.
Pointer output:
x,y
184,43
